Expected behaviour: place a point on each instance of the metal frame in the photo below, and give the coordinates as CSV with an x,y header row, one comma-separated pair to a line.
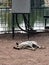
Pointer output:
x,y
27,29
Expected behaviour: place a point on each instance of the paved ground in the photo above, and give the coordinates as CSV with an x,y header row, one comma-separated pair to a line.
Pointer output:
x,y
10,56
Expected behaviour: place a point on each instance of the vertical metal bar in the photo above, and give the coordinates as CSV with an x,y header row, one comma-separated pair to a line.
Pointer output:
x,y
8,19
12,25
28,24
16,17
1,16
5,14
45,22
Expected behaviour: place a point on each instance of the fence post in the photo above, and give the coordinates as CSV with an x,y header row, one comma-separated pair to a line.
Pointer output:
x,y
12,25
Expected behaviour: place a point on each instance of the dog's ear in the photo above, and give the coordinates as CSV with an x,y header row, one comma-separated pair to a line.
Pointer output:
x,y
17,43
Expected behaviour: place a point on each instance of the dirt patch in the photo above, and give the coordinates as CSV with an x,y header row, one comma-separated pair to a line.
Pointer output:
x,y
10,56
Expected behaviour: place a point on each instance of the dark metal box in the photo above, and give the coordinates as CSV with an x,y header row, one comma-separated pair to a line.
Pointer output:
x,y
20,6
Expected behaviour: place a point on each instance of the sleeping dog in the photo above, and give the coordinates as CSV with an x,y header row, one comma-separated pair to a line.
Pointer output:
x,y
31,45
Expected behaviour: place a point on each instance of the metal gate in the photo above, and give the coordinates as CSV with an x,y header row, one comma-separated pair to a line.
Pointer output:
x,y
37,20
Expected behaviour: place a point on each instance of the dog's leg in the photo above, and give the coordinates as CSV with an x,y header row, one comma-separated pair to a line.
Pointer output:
x,y
33,49
40,47
16,48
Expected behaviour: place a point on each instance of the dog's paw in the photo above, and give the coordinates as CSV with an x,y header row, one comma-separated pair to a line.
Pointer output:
x,y
42,47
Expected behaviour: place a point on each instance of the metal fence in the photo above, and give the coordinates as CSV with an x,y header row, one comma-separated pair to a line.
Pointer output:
x,y
37,20
5,16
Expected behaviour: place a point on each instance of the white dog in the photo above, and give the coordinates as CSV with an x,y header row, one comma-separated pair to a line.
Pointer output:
x,y
32,45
